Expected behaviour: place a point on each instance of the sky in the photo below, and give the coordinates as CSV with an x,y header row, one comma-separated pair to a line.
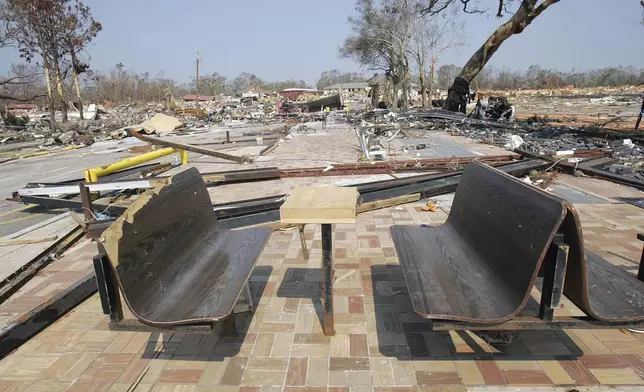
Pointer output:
x,y
299,39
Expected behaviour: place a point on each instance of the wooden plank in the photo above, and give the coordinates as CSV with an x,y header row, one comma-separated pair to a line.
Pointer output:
x,y
28,241
468,269
394,201
172,262
320,205
231,177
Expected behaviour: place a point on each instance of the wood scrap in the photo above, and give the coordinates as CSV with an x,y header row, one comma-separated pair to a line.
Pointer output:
x,y
27,241
394,201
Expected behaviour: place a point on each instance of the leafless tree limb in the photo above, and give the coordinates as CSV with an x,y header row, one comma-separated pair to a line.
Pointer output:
x,y
436,7
4,97
18,80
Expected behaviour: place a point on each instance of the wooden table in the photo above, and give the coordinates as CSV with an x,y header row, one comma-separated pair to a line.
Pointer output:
x,y
324,206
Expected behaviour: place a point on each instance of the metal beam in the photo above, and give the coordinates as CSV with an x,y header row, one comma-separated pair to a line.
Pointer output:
x,y
188,147
442,184
94,187
533,323
50,202
39,318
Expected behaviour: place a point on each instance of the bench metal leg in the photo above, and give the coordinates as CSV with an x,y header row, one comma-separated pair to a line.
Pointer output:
x,y
305,250
553,278
229,325
327,280
107,288
249,297
640,272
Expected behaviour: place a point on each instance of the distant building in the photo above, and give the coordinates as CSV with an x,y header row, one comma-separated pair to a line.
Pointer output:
x,y
21,106
293,93
352,87
200,98
256,93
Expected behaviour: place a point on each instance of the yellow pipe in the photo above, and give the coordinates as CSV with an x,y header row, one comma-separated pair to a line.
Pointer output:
x,y
92,175
73,147
35,154
184,157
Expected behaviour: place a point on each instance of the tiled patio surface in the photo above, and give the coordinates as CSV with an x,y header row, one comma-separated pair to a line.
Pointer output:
x,y
380,345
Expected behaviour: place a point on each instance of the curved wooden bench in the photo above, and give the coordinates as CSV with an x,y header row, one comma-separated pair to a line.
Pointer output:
x,y
170,261
481,264
600,289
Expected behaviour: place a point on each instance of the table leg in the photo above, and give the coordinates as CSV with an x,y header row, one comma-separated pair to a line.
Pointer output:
x,y
305,250
327,271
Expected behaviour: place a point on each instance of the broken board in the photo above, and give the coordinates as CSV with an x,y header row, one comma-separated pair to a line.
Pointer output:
x,y
320,205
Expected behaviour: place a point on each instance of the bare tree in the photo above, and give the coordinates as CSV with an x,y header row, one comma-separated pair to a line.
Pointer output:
x,y
432,35
51,30
527,11
380,40
80,28
18,84
23,83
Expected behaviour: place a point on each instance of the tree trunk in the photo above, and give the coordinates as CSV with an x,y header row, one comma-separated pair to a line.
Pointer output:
x,y
375,96
50,97
59,87
406,87
394,94
526,13
78,94
3,113
423,86
59,90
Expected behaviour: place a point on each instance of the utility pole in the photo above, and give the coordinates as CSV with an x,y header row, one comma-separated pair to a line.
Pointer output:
x,y
197,61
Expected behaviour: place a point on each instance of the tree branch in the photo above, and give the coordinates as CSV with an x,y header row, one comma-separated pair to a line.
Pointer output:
x,y
542,7
10,98
22,78
429,9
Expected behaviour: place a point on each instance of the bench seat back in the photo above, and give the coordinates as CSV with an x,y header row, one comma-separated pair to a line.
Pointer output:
x,y
171,262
